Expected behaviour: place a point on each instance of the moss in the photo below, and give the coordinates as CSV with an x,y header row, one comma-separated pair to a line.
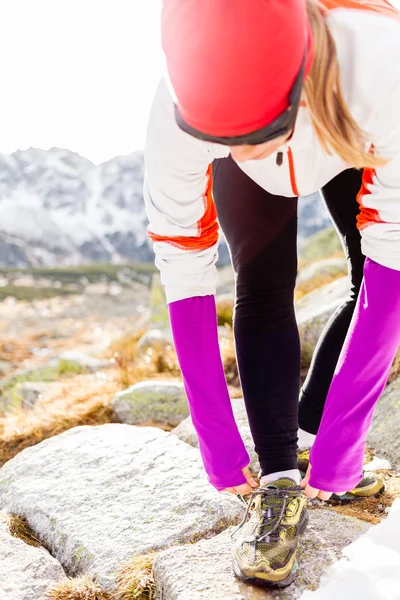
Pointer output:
x,y
152,406
79,553
9,391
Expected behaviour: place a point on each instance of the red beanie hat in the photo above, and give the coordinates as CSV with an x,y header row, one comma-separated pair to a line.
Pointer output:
x,y
233,63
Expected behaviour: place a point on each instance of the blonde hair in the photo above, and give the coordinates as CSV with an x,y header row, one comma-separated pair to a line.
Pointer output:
x,y
333,122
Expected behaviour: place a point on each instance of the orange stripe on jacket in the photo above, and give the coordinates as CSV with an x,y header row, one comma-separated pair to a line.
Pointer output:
x,y
380,6
366,216
207,226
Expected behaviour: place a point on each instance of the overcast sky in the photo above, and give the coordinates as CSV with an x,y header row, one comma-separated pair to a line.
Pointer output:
x,y
78,74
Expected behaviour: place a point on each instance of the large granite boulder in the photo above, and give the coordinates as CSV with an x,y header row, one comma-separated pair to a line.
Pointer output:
x,y
314,310
207,572
96,496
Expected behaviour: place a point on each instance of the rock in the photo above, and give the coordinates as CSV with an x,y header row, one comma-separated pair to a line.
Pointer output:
x,y
186,432
161,403
154,340
26,572
370,567
383,435
81,359
96,496
314,310
31,391
208,573
322,269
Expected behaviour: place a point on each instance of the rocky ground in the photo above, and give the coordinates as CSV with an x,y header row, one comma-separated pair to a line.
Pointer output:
x,y
102,491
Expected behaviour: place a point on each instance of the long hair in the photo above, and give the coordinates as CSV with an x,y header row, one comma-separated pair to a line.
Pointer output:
x,y
333,122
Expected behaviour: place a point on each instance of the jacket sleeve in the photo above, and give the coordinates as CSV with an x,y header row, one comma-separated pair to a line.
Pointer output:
x,y
379,197
178,198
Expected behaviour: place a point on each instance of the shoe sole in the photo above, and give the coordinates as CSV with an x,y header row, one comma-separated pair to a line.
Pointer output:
x,y
348,499
265,583
353,498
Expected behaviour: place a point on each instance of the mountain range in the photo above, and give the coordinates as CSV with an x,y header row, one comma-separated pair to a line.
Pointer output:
x,y
57,207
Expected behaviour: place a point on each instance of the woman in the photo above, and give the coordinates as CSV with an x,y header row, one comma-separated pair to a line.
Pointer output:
x,y
269,101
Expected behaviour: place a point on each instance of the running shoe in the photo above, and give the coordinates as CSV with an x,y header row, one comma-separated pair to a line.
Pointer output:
x,y
370,486
265,550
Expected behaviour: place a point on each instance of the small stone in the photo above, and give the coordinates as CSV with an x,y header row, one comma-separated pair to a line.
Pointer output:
x,y
84,360
32,391
153,340
161,403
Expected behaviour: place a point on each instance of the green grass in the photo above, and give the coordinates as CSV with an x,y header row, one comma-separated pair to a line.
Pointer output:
x,y
9,389
21,292
62,368
323,244
77,276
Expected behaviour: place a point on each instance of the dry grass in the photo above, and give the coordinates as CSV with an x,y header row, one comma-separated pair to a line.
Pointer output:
x,y
135,580
315,283
395,372
79,588
14,350
134,366
84,400
19,528
225,308
228,355
371,510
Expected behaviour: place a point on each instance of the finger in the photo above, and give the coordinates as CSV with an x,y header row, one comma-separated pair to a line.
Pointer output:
x,y
249,477
306,479
311,492
230,490
243,489
324,495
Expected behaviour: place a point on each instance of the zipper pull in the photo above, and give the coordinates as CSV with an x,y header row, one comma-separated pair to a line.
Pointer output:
x,y
279,159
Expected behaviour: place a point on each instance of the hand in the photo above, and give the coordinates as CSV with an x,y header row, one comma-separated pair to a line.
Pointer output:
x,y
244,488
312,492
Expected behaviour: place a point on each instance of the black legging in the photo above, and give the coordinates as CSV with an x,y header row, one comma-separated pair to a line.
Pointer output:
x,y
261,231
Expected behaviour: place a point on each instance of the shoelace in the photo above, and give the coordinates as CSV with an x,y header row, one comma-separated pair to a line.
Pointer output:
x,y
284,494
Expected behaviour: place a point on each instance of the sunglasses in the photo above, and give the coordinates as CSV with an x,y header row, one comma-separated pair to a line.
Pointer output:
x,y
282,125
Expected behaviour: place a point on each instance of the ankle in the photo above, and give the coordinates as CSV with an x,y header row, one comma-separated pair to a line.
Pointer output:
x,y
290,473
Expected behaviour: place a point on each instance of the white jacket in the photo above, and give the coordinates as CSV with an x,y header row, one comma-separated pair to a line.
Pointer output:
x,y
177,186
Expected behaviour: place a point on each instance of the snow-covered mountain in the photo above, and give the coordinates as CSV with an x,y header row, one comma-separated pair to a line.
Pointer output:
x,y
57,207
